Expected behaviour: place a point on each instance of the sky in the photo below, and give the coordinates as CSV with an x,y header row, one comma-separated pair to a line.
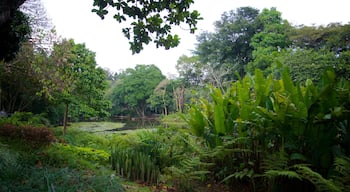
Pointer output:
x,y
74,19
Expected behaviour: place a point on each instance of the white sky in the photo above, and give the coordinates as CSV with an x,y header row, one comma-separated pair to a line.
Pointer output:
x,y
74,19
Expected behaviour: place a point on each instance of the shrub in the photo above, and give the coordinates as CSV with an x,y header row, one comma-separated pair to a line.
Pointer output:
x,y
75,157
25,118
28,133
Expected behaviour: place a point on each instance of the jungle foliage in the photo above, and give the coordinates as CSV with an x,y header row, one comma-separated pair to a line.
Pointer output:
x,y
264,106
266,129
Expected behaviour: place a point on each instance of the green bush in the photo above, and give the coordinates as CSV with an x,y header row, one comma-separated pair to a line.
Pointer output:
x,y
65,155
26,118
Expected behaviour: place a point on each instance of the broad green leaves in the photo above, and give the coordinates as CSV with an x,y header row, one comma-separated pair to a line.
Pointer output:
x,y
276,112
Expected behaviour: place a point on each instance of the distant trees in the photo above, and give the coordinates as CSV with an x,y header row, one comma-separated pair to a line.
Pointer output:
x,y
134,87
246,39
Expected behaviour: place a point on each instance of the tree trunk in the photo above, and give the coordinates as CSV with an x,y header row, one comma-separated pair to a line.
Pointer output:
x,y
65,119
164,105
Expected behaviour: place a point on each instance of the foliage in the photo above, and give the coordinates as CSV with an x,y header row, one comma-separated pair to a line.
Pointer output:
x,y
25,118
36,136
135,87
258,116
19,177
191,70
75,155
134,165
188,171
229,47
162,97
29,170
271,39
19,82
71,77
307,63
150,21
333,37
173,120
158,150
342,176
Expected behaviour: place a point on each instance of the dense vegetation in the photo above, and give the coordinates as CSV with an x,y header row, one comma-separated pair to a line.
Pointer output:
x,y
261,105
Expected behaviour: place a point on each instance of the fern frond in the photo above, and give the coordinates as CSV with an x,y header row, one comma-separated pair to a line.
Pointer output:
x,y
315,178
276,161
283,173
342,168
246,173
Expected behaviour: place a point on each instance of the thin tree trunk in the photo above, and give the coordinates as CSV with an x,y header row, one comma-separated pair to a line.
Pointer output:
x,y
65,119
164,104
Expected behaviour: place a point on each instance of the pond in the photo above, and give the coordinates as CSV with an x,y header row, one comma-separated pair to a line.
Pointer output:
x,y
120,126
137,123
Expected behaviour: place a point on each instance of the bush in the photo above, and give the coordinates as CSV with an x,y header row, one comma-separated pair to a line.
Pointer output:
x,y
26,118
65,155
28,133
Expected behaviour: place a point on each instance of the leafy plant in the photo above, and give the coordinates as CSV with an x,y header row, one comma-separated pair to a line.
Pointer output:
x,y
26,118
134,165
184,175
30,134
65,155
342,172
261,116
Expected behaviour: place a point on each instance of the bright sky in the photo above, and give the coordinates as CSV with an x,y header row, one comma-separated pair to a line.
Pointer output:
x,y
74,19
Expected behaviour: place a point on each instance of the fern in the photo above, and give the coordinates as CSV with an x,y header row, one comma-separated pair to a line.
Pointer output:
x,y
189,170
315,178
282,173
342,168
276,161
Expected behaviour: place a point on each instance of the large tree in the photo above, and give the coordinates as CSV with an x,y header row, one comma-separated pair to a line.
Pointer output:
x,y
135,87
271,38
229,46
73,79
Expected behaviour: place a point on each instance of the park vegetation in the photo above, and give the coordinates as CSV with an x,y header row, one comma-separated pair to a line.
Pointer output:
x,y
260,105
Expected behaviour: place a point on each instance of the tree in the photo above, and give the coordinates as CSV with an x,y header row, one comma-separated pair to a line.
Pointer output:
x,y
229,46
72,78
19,82
135,87
161,97
308,63
191,70
271,39
333,37
150,20
43,34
